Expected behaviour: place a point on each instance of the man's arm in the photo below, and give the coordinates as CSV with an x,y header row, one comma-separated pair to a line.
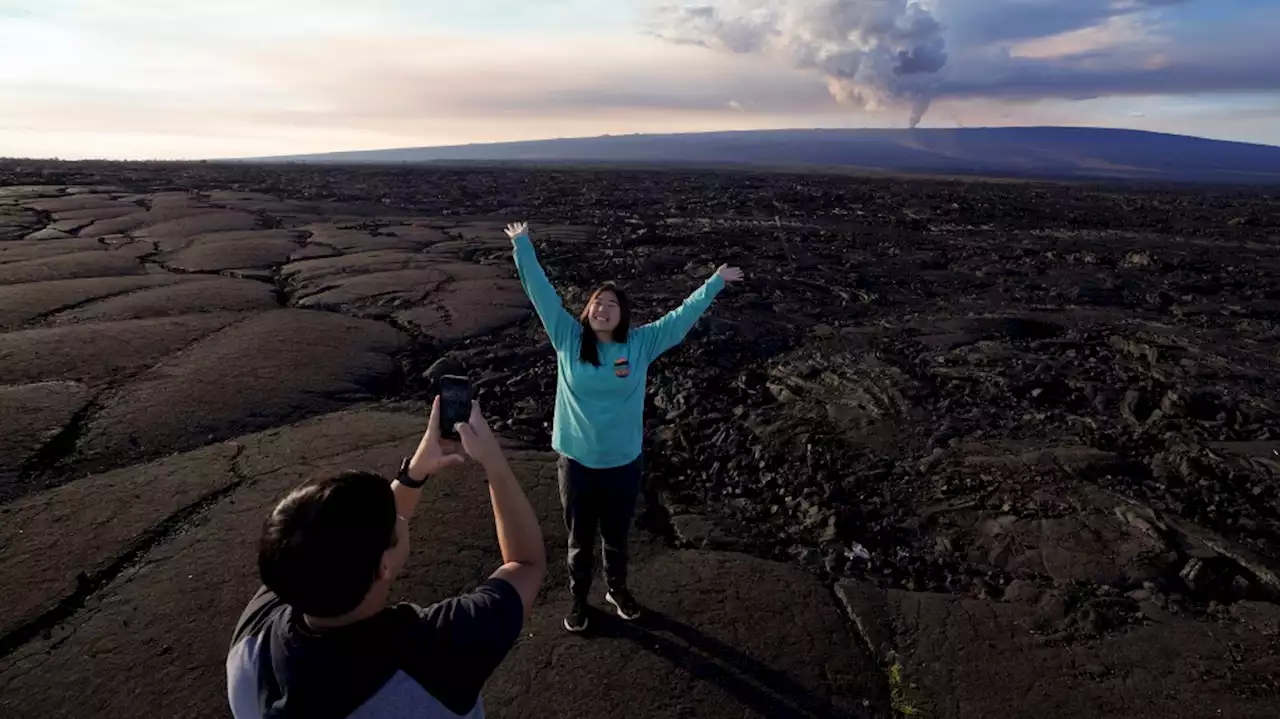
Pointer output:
x,y
559,324
463,639
519,536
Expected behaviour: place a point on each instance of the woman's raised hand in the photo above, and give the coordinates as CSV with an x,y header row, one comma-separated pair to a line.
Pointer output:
x,y
729,274
516,229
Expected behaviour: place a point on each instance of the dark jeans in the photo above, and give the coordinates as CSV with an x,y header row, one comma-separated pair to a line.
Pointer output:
x,y
603,500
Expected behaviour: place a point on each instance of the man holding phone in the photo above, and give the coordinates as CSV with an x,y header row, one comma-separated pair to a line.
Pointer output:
x,y
319,639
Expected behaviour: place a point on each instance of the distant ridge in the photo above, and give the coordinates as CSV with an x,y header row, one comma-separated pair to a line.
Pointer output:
x,y
1028,152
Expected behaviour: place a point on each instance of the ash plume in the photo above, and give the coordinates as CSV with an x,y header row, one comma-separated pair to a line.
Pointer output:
x,y
873,53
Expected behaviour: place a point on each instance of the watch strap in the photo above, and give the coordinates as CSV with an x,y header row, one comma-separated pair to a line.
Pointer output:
x,y
404,478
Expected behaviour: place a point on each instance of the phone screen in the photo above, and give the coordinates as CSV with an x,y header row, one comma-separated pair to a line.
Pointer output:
x,y
455,403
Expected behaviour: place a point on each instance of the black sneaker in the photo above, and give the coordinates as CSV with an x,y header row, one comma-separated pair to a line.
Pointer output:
x,y
576,620
627,606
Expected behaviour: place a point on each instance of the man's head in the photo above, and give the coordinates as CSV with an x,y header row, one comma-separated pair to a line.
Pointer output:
x,y
332,541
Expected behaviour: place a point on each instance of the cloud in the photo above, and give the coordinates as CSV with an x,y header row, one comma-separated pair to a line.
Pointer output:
x,y
255,76
1078,49
425,76
1115,32
871,53
1152,66
881,54
334,92
986,22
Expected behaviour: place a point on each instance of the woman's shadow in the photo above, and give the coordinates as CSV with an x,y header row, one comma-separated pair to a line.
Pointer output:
x,y
765,690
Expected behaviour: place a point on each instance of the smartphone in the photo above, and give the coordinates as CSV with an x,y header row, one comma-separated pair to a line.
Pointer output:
x,y
455,403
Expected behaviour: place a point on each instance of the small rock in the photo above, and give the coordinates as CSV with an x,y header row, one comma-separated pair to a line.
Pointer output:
x,y
1264,617
829,533
1194,573
1000,554
444,366
943,545
1137,259
1022,591
1155,612
1129,405
834,563
695,530
1097,671
782,394
985,589
857,551
1052,607
1090,620
1239,587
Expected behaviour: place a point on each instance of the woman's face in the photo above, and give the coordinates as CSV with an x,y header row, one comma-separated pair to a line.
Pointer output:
x,y
603,312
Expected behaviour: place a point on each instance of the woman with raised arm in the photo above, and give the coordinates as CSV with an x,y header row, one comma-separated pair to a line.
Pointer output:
x,y
602,363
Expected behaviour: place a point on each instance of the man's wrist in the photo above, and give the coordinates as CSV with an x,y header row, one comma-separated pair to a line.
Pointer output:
x,y
497,465
417,470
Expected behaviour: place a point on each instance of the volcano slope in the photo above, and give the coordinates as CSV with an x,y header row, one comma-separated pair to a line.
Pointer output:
x,y
951,448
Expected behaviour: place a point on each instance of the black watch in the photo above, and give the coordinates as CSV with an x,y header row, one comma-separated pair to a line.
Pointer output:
x,y
403,477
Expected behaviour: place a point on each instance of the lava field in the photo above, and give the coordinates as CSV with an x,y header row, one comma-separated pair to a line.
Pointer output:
x,y
1008,390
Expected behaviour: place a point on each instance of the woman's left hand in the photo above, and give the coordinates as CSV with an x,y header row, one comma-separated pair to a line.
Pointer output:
x,y
729,274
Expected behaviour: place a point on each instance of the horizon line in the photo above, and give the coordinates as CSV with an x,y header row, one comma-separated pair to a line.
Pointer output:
x,y
561,138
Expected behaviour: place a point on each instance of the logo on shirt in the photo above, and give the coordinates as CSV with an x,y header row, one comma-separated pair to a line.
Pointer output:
x,y
621,367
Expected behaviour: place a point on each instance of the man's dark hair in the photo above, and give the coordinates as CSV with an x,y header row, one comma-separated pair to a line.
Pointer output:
x,y
322,545
590,351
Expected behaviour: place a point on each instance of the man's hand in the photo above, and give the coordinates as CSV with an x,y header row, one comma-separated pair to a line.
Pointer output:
x,y
516,229
478,439
432,456
729,274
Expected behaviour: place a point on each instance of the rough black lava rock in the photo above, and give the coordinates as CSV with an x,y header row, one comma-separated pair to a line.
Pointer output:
x,y
907,366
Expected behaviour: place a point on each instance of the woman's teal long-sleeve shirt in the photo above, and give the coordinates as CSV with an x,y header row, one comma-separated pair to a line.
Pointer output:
x,y
599,413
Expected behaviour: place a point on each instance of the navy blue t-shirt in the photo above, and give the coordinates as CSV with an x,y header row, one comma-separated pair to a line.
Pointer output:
x,y
406,661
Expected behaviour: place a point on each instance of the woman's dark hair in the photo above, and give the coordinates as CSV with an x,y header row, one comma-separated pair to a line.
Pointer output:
x,y
590,343
322,546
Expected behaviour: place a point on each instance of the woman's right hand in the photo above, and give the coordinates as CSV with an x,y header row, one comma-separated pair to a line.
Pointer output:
x,y
516,229
729,274
477,438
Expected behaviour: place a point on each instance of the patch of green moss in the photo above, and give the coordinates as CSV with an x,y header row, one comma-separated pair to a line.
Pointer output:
x,y
898,699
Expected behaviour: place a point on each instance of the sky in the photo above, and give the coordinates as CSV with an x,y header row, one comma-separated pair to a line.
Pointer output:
x,y
178,79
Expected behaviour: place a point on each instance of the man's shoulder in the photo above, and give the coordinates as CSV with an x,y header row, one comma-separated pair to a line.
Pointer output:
x,y
493,599
250,679
459,641
265,608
